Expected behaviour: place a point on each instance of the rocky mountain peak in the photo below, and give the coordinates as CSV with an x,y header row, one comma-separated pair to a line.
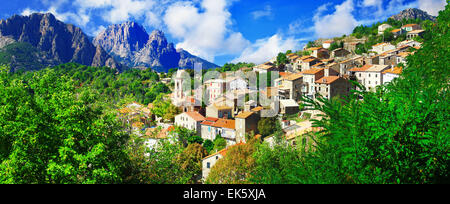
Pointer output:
x,y
55,41
145,50
413,13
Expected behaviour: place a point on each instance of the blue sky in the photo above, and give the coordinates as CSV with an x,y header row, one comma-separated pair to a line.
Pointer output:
x,y
227,30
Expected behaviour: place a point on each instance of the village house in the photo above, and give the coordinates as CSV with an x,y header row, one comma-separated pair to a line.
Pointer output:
x,y
308,62
208,131
388,58
401,57
351,46
410,43
319,52
215,88
345,65
309,77
224,127
235,83
209,161
327,44
289,107
411,27
334,67
415,33
246,122
155,134
264,68
382,28
391,74
382,47
369,76
219,111
289,86
397,32
340,52
331,86
327,61
190,120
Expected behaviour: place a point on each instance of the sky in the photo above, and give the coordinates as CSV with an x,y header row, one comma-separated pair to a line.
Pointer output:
x,y
224,31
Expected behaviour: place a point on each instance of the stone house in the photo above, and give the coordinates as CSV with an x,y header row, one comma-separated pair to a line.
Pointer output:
x,y
289,107
289,86
246,122
190,120
309,77
331,86
219,111
391,74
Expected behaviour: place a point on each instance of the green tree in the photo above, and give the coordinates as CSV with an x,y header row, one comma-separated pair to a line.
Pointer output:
x,y
190,161
268,126
219,143
52,134
208,145
236,167
282,59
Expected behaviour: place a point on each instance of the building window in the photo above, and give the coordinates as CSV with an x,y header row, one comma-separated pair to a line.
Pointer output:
x,y
217,157
208,165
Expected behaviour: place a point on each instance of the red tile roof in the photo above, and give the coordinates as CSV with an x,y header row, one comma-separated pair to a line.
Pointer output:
x,y
196,116
327,80
361,69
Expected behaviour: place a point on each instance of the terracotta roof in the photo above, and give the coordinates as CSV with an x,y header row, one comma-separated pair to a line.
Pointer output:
x,y
327,80
259,108
379,44
416,31
283,74
309,60
395,30
244,115
306,57
223,152
293,77
329,41
313,48
312,71
361,69
225,123
409,25
212,119
196,116
395,70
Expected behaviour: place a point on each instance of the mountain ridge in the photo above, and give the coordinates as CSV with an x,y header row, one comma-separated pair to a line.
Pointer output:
x,y
130,44
55,41
413,13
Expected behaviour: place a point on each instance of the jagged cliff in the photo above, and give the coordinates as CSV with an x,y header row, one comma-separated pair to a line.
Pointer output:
x,y
49,42
130,44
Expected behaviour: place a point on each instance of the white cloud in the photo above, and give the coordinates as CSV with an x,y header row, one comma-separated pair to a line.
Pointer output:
x,y
432,7
267,12
204,31
81,19
338,23
265,49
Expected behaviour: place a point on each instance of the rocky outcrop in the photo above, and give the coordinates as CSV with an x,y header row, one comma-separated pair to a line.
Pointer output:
x,y
413,13
57,41
130,44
